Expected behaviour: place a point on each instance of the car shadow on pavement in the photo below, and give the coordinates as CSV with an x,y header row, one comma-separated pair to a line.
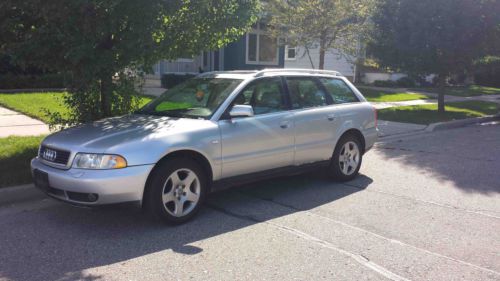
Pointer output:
x,y
61,242
465,157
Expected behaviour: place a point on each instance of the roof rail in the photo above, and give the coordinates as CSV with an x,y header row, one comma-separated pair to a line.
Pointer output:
x,y
203,74
301,70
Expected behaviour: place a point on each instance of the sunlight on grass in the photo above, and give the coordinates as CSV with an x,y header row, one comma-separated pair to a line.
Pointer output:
x,y
36,104
382,96
427,114
470,91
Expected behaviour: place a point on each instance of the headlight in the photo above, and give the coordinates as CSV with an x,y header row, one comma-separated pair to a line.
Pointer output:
x,y
99,161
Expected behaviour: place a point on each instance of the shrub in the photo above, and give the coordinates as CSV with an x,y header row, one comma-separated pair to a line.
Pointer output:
x,y
406,82
11,81
488,72
170,80
384,83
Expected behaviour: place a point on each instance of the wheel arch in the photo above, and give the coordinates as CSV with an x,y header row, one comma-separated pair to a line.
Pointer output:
x,y
183,153
358,134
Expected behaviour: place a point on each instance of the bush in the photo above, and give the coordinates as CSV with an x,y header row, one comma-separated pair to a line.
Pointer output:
x,y
11,81
170,80
488,73
384,83
406,82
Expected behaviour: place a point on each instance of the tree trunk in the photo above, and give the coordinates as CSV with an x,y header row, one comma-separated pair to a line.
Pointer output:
x,y
322,52
106,91
442,82
310,59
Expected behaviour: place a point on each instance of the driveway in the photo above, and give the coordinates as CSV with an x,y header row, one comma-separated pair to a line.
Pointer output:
x,y
426,207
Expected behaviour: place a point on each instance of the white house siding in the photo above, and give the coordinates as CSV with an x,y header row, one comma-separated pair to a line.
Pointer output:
x,y
371,77
333,61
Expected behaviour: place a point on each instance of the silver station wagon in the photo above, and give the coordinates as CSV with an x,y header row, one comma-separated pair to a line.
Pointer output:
x,y
212,131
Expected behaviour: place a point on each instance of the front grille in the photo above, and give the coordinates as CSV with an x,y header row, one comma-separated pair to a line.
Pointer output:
x,y
54,155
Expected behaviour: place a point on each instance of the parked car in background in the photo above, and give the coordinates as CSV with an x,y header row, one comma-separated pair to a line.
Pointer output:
x,y
217,129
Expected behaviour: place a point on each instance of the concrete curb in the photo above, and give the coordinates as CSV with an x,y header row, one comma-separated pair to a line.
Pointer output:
x,y
460,123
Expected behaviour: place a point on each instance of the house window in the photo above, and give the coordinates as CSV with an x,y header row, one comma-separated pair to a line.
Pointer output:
x,y
290,53
261,48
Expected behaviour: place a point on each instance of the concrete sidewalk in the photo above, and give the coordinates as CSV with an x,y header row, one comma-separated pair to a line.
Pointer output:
x,y
13,123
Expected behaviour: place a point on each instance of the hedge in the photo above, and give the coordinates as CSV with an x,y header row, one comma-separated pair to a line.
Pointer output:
x,y
11,81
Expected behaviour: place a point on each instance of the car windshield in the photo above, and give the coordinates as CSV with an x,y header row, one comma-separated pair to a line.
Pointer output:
x,y
194,98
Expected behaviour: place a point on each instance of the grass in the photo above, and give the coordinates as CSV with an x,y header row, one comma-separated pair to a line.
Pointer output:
x,y
427,114
383,96
36,104
470,91
15,156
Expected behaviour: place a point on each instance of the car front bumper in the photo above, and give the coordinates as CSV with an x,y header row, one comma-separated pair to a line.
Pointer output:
x,y
92,187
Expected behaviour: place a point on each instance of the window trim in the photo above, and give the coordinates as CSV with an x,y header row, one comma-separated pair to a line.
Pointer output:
x,y
287,47
258,32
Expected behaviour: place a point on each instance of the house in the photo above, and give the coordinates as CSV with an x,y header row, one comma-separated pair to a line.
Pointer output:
x,y
255,50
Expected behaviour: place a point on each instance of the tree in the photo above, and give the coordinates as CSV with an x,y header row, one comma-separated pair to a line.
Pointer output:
x,y
333,24
440,37
103,44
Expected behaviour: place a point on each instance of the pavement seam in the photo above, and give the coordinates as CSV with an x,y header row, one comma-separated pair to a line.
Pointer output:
x,y
476,212
325,244
432,152
375,234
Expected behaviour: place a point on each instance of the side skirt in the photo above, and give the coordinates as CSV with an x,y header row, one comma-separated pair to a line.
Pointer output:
x,y
226,183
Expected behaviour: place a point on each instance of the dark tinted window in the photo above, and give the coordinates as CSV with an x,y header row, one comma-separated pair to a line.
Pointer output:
x,y
305,92
339,91
264,95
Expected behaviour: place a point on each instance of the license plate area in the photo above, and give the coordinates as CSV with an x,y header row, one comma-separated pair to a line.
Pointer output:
x,y
41,180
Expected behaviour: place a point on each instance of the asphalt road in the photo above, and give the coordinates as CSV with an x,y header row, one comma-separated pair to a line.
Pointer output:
x,y
426,207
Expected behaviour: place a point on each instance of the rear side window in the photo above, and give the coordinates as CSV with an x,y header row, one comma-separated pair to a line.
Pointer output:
x,y
339,91
305,93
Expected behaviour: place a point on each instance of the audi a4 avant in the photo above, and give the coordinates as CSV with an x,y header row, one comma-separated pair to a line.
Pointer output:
x,y
214,130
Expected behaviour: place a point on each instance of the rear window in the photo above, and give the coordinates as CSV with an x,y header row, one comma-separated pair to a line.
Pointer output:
x,y
339,91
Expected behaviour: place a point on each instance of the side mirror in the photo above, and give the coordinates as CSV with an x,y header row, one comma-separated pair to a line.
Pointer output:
x,y
240,110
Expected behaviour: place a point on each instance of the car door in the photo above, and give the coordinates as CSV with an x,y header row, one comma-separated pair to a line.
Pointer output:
x,y
314,118
263,141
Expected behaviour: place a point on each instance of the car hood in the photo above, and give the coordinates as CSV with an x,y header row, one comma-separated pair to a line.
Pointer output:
x,y
102,136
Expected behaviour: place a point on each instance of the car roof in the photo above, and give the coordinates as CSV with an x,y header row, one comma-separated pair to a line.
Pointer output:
x,y
245,74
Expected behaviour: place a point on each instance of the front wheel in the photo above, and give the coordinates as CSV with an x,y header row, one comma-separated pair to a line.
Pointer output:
x,y
176,190
346,159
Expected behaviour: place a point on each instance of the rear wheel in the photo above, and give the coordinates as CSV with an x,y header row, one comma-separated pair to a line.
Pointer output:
x,y
346,159
176,191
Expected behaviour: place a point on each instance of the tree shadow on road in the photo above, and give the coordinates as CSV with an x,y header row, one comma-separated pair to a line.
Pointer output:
x,y
468,157
61,242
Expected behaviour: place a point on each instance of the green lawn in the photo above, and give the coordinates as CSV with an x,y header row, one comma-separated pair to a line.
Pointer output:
x,y
470,91
383,96
35,104
427,114
15,156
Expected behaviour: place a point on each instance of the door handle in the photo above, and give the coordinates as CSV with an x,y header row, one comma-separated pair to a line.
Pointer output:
x,y
330,117
285,124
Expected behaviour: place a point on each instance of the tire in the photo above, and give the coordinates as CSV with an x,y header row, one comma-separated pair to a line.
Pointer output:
x,y
345,165
176,190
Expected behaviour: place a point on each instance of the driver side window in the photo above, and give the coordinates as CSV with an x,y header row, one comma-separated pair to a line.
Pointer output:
x,y
264,95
